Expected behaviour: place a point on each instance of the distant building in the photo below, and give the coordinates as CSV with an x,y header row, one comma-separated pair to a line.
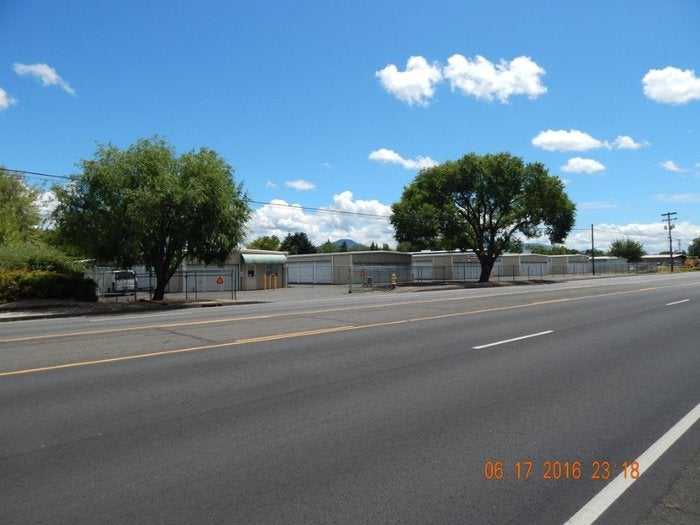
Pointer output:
x,y
341,267
678,259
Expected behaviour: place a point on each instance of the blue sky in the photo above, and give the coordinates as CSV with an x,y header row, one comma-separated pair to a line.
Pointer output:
x,y
289,92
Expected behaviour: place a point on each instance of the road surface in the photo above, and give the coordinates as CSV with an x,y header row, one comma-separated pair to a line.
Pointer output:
x,y
370,408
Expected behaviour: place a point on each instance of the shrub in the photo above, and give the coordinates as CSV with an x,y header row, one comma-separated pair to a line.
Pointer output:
x,y
37,257
28,284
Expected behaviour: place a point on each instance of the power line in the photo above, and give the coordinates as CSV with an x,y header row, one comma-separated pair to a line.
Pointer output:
x,y
37,174
321,210
257,203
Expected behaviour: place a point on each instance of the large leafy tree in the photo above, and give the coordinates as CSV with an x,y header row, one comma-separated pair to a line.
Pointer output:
x,y
694,248
19,214
144,204
265,242
480,202
297,243
627,249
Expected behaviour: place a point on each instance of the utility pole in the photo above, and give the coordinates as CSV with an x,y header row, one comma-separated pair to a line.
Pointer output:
x,y
669,217
592,251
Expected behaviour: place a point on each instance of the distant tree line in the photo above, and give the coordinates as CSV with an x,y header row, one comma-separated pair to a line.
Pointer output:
x,y
299,243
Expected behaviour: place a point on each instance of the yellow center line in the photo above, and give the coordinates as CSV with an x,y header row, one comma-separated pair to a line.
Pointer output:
x,y
105,331
306,333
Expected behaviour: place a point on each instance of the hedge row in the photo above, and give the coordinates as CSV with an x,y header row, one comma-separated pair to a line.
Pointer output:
x,y
28,284
37,257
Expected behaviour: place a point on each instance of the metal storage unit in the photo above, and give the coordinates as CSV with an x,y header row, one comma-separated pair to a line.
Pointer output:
x,y
309,272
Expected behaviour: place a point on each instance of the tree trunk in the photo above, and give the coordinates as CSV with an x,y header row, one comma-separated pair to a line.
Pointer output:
x,y
161,283
159,291
486,267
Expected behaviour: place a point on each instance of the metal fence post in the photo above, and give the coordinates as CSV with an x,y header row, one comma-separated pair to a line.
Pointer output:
x,y
186,287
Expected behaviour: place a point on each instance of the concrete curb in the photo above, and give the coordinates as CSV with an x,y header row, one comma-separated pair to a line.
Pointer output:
x,y
59,315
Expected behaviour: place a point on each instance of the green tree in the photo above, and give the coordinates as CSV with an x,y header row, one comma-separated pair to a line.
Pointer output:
x,y
19,214
266,242
297,243
385,247
343,247
627,249
373,247
327,247
694,248
514,246
144,204
480,202
556,249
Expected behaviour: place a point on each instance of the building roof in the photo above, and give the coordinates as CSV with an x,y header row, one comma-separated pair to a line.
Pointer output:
x,y
664,256
427,253
256,250
349,252
263,258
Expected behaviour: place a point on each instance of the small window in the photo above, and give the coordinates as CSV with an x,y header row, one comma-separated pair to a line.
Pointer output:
x,y
251,272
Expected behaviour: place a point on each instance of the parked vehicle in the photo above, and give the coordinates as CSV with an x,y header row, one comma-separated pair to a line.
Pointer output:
x,y
123,281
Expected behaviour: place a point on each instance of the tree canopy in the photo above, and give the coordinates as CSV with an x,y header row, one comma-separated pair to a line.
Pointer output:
x,y
694,248
327,247
627,249
297,243
144,204
480,202
271,242
19,214
556,249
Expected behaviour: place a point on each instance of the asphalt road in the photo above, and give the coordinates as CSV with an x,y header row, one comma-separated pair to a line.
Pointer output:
x,y
371,408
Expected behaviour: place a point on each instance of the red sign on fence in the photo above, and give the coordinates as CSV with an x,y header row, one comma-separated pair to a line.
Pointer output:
x,y
219,280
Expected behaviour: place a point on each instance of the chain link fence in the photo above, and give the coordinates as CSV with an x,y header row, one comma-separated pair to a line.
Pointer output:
x,y
387,277
184,285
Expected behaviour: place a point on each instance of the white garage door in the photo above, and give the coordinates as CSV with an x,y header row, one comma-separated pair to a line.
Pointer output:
x,y
309,273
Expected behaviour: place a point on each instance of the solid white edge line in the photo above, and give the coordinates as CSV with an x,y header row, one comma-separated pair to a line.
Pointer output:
x,y
513,340
678,302
592,510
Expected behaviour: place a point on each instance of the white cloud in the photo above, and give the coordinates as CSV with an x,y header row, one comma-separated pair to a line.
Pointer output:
x,y
388,156
596,205
6,100
563,140
679,198
46,74
671,85
270,184
482,79
671,166
414,85
46,202
280,219
581,165
300,184
652,236
627,142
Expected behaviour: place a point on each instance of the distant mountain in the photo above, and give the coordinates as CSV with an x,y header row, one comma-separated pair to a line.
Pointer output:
x,y
349,242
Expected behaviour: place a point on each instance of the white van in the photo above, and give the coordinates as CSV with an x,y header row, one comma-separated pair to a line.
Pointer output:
x,y
123,281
